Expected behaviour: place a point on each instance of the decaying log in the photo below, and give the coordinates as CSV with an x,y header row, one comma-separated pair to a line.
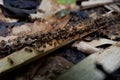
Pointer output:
x,y
86,69
44,43
43,40
25,56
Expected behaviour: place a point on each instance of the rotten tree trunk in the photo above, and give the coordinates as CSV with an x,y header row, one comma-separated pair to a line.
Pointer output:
x,y
42,45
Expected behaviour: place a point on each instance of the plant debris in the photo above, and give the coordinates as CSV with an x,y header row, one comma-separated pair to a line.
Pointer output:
x,y
78,27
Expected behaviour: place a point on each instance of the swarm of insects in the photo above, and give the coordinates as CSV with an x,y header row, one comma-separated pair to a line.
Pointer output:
x,y
40,40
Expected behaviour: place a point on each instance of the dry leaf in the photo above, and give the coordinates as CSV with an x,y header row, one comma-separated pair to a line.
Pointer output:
x,y
84,47
99,42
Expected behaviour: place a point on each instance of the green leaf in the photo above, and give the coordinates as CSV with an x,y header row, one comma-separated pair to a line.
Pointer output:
x,y
62,13
65,1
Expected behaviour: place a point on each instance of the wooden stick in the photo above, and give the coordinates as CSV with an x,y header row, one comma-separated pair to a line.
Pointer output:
x,y
98,2
92,4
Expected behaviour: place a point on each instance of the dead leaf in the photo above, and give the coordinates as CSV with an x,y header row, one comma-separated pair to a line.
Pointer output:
x,y
50,7
84,47
101,41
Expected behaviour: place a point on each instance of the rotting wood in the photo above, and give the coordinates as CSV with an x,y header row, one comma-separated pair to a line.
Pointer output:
x,y
86,69
95,3
42,41
23,57
26,55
